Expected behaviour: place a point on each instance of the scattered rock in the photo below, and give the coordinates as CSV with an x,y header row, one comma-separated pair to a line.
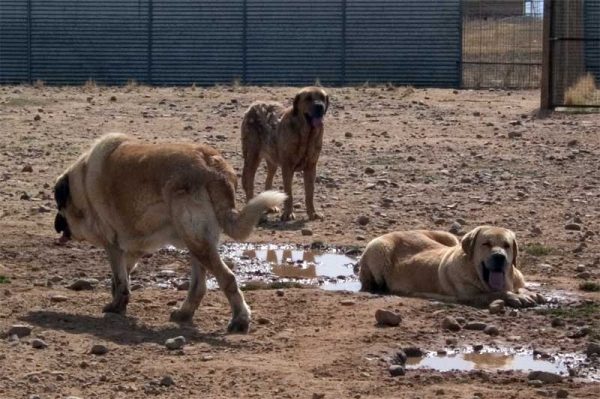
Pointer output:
x,y
455,228
37,118
175,343
451,341
562,394
387,318
477,347
401,357
307,231
99,350
348,302
27,169
318,396
584,275
184,286
497,306
573,227
535,383
410,158
580,268
348,135
476,326
167,381
58,298
84,284
593,348
545,376
369,170
396,370
363,220
413,351
263,321
450,323
558,322
492,331
38,344
113,99
20,330
514,135
279,293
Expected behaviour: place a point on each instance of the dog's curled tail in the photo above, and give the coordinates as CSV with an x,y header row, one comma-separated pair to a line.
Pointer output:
x,y
240,224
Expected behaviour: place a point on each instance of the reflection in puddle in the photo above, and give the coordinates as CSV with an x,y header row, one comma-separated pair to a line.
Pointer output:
x,y
493,360
326,268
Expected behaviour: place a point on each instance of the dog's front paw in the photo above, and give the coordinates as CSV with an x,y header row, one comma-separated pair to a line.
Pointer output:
x,y
316,215
288,216
177,316
239,325
521,300
119,305
534,296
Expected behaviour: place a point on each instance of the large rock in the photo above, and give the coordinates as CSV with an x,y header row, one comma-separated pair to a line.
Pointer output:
x,y
497,306
450,323
545,376
387,318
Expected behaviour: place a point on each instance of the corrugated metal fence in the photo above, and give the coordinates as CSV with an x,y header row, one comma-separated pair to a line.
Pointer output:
x,y
180,42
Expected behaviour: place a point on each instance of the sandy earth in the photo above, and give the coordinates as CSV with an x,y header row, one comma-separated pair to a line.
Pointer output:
x,y
404,158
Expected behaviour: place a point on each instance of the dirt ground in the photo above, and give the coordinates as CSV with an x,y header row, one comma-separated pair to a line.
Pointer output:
x,y
404,158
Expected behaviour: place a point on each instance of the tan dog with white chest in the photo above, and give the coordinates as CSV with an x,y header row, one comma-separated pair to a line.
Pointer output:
x,y
434,264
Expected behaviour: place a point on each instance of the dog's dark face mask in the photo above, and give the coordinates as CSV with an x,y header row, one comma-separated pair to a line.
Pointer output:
x,y
61,196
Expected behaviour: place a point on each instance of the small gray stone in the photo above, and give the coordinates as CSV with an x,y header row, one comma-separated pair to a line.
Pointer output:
x,y
562,394
175,343
584,275
573,227
450,323
38,344
387,318
476,326
84,284
455,228
307,231
167,381
369,170
492,331
593,348
558,322
396,370
545,376
58,298
99,349
263,321
20,330
580,268
348,302
497,306
363,220
401,356
34,397
477,347
279,293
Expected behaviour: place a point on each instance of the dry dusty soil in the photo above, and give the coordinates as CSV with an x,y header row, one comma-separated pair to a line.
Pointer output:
x,y
403,158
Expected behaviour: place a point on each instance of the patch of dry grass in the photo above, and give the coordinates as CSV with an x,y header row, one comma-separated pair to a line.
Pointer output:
x,y
584,92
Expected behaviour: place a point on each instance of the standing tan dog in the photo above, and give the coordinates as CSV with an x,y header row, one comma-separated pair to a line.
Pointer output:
x,y
131,198
478,269
288,137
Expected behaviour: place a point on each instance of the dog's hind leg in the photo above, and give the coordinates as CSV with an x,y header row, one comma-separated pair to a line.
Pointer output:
x,y
252,160
195,293
271,170
118,263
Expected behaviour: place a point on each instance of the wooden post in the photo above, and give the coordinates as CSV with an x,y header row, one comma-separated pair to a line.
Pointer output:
x,y
546,83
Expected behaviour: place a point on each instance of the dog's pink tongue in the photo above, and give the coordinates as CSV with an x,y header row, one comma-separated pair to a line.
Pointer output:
x,y
497,281
317,122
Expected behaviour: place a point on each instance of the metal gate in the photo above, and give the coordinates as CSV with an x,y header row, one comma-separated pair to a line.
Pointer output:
x,y
180,42
572,54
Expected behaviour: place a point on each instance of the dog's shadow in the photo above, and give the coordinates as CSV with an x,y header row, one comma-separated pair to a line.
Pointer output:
x,y
279,225
122,330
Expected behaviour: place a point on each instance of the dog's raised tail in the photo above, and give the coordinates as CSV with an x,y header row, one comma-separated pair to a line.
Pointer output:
x,y
240,224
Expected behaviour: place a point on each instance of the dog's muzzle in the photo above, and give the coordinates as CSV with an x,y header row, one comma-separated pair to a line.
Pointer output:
x,y
62,226
315,119
494,271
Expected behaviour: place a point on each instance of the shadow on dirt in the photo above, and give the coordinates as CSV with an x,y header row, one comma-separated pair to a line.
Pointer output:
x,y
123,330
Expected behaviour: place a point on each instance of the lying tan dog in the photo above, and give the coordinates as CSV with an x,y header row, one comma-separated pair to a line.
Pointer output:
x,y
434,264
288,137
132,198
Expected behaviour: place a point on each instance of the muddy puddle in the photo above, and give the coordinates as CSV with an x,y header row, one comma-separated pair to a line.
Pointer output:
x,y
330,269
490,359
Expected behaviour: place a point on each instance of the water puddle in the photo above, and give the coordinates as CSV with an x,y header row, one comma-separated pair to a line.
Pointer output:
x,y
329,269
494,359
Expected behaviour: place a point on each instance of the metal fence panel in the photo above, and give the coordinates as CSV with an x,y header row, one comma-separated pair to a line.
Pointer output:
x,y
294,42
13,41
106,41
405,42
197,41
592,32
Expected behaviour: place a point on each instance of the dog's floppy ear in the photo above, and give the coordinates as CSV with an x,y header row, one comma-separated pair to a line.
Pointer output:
x,y
468,241
515,251
296,101
60,223
62,191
